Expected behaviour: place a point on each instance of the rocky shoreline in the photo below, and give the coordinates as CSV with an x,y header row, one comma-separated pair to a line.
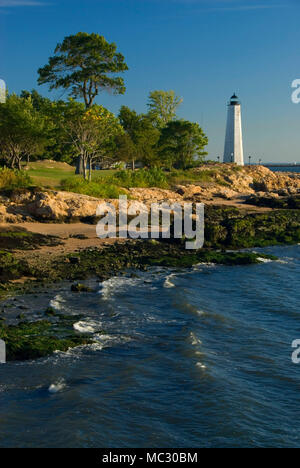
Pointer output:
x,y
27,339
31,260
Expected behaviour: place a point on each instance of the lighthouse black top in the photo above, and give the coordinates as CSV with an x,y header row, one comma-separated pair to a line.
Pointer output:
x,y
234,100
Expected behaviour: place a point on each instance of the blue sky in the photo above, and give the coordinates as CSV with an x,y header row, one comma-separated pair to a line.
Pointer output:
x,y
203,49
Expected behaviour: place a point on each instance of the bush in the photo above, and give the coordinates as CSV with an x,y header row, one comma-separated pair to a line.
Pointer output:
x,y
96,188
11,179
143,178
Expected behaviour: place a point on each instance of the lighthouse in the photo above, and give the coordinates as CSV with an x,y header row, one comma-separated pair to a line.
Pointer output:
x,y
233,151
2,92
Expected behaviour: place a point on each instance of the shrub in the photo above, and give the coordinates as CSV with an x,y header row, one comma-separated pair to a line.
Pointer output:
x,y
11,179
96,188
143,178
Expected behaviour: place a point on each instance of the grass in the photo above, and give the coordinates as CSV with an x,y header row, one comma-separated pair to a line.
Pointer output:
x,y
111,186
50,174
53,174
107,183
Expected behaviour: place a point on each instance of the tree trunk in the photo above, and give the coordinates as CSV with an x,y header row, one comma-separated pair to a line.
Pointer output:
x,y
133,165
79,165
84,168
90,170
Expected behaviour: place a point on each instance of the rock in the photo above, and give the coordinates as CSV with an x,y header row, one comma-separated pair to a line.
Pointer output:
x,y
219,181
154,195
80,288
74,260
62,205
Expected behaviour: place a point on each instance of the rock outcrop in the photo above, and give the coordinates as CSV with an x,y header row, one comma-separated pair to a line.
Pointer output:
x,y
220,182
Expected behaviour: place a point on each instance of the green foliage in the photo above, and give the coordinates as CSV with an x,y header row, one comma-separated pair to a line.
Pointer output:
x,y
97,188
182,144
85,64
23,130
162,106
12,178
111,185
90,132
140,138
57,113
154,177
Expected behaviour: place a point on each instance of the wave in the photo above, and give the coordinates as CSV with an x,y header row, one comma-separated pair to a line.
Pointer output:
x,y
116,284
201,365
168,283
194,340
57,386
57,302
87,327
106,341
264,260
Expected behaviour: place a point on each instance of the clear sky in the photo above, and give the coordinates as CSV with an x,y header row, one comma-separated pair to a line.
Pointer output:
x,y
203,49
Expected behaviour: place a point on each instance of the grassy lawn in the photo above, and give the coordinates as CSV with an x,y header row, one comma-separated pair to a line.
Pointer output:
x,y
50,173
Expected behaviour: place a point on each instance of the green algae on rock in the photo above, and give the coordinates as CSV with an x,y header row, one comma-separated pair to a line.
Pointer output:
x,y
21,239
228,227
11,268
78,287
33,340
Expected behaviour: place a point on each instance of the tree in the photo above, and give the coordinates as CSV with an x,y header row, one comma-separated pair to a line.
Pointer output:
x,y
182,144
140,138
163,106
90,132
23,130
84,64
56,113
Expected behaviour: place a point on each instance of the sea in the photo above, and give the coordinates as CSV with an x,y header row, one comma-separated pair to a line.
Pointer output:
x,y
190,358
295,168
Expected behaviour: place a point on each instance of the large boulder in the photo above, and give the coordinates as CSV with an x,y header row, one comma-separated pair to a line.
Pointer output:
x,y
55,206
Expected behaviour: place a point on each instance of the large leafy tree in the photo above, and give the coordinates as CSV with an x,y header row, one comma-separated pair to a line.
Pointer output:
x,y
138,143
163,106
182,144
23,130
55,112
90,133
85,64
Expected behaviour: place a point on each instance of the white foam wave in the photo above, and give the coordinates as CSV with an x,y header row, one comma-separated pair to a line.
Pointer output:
x,y
107,341
264,260
116,284
87,327
57,386
168,283
201,365
200,312
57,302
194,340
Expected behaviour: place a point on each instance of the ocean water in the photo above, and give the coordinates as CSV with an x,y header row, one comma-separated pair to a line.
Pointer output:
x,y
191,358
295,168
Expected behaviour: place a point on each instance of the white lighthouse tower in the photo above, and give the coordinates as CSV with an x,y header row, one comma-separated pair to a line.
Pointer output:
x,y
233,151
2,92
